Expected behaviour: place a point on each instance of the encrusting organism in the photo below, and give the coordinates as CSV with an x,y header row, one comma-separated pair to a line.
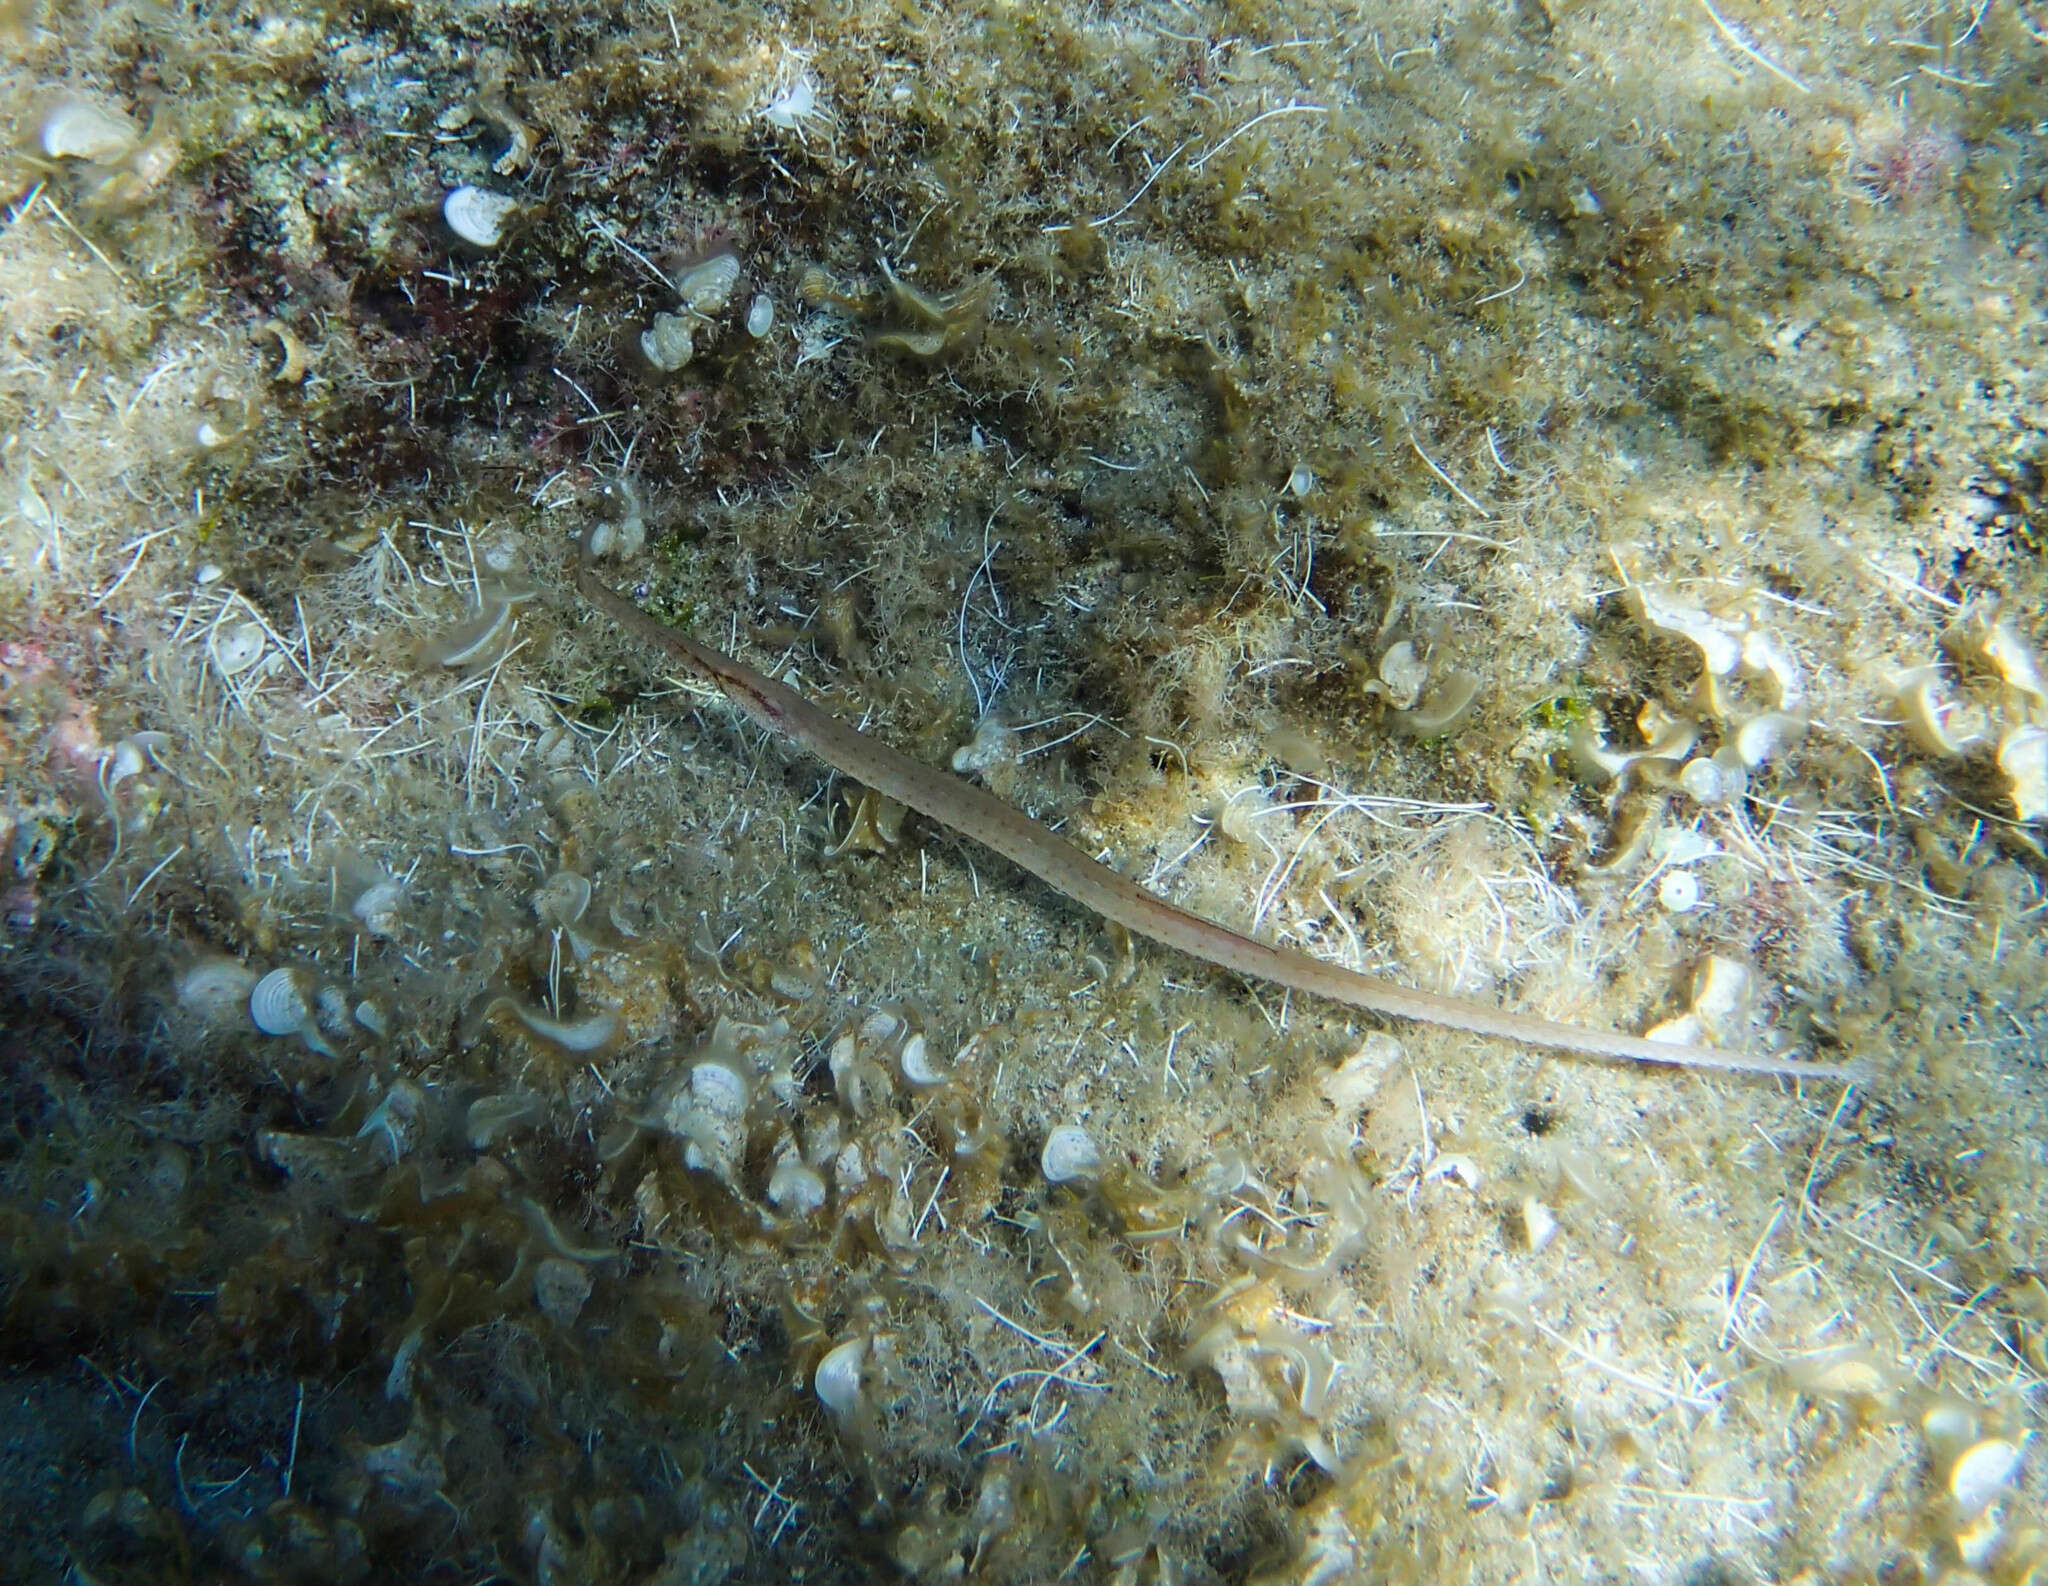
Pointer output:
x,y
1052,859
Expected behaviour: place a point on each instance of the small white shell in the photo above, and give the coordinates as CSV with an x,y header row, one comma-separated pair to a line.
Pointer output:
x,y
849,1168
278,1003
214,986
707,287
238,649
668,343
883,1028
760,315
708,1114
589,1034
1763,737
74,129
2023,757
126,761
562,899
795,105
1719,780
837,1379
993,744
1982,1471
331,1011
376,907
1070,1153
917,1064
490,1118
477,215
795,1188
561,1288
371,1017
1720,991
1539,1223
718,1089
1679,891
396,1119
473,637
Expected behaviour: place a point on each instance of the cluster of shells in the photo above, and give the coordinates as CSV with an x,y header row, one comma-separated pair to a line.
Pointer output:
x,y
2002,711
288,1002
1733,644
1996,705
704,290
116,164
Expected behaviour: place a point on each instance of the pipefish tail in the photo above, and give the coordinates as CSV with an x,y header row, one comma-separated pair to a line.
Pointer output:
x,y
978,814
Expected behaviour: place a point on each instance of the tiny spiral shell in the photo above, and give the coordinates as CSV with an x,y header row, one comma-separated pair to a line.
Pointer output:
x,y
917,1064
278,1003
718,1088
707,287
377,906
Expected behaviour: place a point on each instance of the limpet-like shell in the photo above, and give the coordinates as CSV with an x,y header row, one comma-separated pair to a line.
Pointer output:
x,y
1070,1153
278,1003
837,1379
760,315
371,1017
477,215
74,129
239,648
1982,1471
215,986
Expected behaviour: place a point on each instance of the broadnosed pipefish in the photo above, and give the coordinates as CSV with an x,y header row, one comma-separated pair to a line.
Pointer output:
x,y
976,813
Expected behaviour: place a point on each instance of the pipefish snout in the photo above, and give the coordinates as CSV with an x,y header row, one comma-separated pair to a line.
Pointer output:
x,y
978,814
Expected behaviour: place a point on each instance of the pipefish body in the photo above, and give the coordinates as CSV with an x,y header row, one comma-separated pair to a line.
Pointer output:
x,y
976,813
